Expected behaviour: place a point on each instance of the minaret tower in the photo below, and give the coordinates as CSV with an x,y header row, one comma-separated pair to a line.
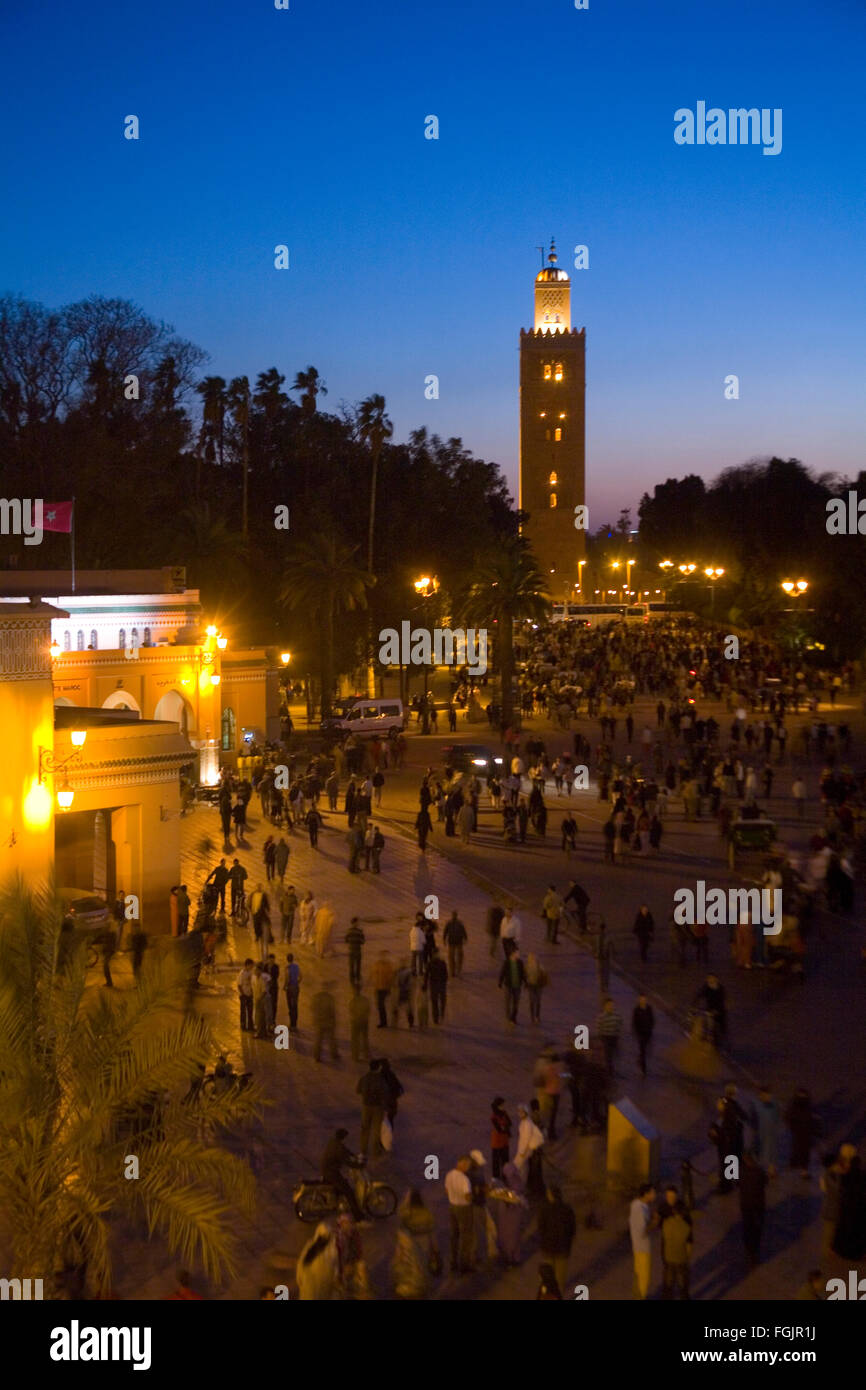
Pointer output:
x,y
552,430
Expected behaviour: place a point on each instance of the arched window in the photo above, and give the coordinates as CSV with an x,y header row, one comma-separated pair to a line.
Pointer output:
x,y
79,641
553,499
558,436
553,480
548,371
67,641
557,372
229,730
121,639
133,636
547,434
94,640
147,637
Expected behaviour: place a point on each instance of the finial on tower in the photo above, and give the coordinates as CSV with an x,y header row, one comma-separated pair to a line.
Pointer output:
x,y
552,257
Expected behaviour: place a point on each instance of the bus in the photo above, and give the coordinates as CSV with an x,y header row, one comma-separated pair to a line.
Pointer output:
x,y
588,614
647,611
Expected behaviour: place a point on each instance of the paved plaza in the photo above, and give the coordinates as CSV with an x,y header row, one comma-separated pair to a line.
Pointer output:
x,y
451,1072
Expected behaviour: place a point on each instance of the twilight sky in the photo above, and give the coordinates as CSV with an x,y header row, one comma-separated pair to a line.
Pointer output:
x,y
411,256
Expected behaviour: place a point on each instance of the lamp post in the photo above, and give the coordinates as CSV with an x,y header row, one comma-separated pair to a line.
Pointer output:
x,y
424,587
713,573
49,765
580,565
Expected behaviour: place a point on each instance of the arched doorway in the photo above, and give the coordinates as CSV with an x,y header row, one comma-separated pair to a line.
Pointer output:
x,y
62,700
121,699
173,707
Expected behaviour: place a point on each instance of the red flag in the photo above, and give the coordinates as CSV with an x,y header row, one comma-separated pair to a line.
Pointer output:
x,y
57,516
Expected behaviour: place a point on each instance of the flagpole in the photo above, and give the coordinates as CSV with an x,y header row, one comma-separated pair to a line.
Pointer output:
x,y
72,542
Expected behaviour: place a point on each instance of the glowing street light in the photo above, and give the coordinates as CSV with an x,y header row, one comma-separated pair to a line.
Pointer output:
x,y
713,573
424,587
686,569
285,657
796,588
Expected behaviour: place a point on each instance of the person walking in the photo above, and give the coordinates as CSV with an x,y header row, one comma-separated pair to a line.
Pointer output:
x,y
273,972
495,914
509,932
552,909
313,822
642,1024
238,877
767,1122
529,1156
281,858
374,1099
798,793
437,984
604,953
644,930
557,1226
416,1255
378,785
609,1026
260,993
677,1239
359,1025
378,846
108,948
535,978
292,989
642,1221
383,979
578,895
355,939
393,1088
417,940
288,905
324,925
455,938
183,906
804,1128
403,994
219,877
245,994
423,825
332,790
460,1216
324,1010
500,1136
512,977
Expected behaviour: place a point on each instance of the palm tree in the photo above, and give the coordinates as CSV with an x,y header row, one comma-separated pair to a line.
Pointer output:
x,y
374,428
89,1080
508,586
311,385
215,553
239,404
212,434
322,580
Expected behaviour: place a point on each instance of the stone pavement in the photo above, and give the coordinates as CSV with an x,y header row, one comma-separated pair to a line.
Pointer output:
x,y
450,1074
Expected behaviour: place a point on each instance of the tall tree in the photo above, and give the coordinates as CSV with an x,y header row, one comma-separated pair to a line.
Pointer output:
x,y
508,586
323,580
311,385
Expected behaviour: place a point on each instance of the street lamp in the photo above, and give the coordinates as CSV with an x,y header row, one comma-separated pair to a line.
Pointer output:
x,y
686,569
49,764
713,573
580,565
425,587
285,657
795,588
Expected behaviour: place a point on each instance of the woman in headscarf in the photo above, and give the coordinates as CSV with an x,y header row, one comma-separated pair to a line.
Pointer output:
x,y
317,1266
500,1135
416,1254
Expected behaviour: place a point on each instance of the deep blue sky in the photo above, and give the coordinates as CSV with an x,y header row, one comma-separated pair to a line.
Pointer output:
x,y
411,256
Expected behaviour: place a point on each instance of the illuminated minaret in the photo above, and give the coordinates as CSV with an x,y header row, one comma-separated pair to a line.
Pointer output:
x,y
552,430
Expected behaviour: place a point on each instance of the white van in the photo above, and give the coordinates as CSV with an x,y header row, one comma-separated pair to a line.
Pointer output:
x,y
367,718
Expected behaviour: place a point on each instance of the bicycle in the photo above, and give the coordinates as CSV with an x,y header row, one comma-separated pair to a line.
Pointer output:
x,y
315,1198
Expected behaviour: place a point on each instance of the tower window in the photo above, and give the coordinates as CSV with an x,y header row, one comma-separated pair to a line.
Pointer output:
x,y
79,641
557,435
547,435
557,374
94,639
121,639
67,641
548,371
562,415
553,480
553,499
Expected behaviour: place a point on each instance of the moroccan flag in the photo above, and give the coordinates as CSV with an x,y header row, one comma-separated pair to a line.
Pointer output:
x,y
57,516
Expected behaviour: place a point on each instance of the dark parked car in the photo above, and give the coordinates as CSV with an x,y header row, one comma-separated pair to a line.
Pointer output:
x,y
472,757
